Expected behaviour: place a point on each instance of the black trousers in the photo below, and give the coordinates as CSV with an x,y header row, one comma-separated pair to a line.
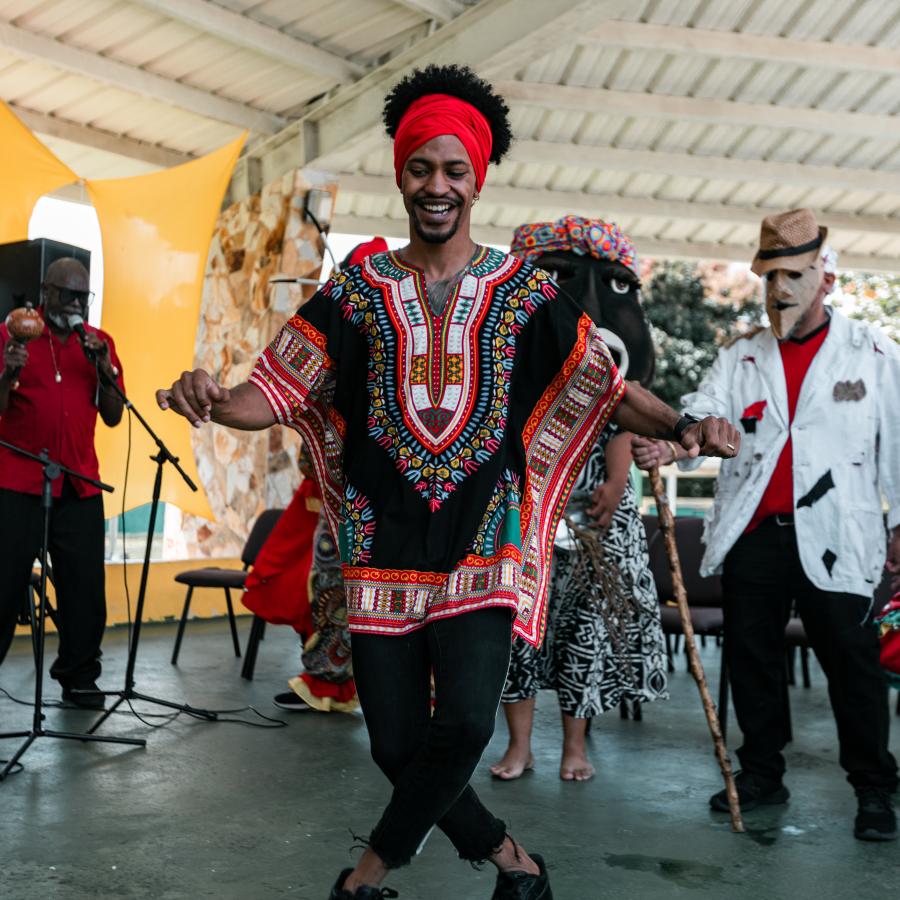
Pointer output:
x,y
430,757
762,579
76,556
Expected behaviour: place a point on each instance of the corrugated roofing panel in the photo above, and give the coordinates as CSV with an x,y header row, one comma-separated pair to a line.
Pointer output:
x,y
672,12
864,21
769,16
719,16
723,78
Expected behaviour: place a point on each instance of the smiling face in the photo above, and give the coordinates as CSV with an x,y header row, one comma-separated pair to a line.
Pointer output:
x,y
438,186
792,298
609,293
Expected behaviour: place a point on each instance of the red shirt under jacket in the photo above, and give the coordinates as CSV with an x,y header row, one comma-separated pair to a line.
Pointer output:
x,y
796,356
59,416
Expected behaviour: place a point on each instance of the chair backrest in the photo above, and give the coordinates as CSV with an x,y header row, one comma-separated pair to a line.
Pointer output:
x,y
651,528
260,531
689,540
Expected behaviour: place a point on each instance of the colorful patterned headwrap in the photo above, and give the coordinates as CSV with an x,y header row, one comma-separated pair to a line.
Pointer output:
x,y
436,114
586,237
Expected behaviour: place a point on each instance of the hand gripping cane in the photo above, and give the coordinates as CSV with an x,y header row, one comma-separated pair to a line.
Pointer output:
x,y
667,526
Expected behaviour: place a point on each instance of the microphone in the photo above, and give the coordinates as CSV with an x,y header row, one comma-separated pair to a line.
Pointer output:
x,y
76,323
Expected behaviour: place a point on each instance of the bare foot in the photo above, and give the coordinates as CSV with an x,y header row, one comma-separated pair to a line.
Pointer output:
x,y
515,764
575,766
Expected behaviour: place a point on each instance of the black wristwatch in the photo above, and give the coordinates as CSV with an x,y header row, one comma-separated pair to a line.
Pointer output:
x,y
682,425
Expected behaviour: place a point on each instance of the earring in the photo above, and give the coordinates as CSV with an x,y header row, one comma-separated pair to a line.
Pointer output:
x,y
475,199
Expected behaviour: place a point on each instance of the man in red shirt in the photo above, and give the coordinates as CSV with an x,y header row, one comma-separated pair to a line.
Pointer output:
x,y
54,407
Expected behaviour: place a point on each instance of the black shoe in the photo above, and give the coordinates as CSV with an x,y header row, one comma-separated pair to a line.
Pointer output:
x,y
752,791
522,886
87,696
362,893
289,700
875,817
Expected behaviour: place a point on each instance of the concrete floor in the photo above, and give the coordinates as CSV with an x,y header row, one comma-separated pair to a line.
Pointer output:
x,y
227,811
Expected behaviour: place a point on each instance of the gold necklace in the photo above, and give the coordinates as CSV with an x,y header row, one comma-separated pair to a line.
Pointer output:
x,y
58,376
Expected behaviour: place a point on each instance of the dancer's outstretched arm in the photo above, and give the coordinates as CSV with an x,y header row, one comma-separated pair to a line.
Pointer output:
x,y
642,413
199,398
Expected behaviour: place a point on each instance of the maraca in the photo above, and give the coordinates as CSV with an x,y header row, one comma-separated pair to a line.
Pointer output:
x,y
24,324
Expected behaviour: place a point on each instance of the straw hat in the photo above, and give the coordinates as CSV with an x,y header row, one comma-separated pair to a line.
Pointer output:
x,y
790,240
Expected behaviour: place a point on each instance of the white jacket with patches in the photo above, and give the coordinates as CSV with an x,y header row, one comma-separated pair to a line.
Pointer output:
x,y
846,445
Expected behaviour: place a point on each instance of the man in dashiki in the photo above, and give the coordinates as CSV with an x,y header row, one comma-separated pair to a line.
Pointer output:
x,y
448,395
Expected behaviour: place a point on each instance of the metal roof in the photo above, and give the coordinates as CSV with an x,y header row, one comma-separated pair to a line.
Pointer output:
x,y
683,120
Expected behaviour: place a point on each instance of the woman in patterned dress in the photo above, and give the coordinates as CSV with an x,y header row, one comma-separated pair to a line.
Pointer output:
x,y
593,657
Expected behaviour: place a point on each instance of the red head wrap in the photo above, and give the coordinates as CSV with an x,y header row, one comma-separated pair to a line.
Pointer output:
x,y
436,114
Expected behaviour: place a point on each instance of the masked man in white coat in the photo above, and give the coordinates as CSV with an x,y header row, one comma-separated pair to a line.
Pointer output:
x,y
798,517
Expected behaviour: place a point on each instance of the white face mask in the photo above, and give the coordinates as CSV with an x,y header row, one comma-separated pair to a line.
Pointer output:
x,y
789,296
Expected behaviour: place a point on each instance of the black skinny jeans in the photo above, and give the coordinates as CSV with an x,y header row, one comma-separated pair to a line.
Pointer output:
x,y
429,758
762,578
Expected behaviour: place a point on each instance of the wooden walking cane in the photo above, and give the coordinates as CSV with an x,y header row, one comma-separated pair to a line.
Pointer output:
x,y
667,526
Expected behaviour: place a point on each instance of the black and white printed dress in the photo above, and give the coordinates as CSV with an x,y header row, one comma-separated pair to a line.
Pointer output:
x,y
591,669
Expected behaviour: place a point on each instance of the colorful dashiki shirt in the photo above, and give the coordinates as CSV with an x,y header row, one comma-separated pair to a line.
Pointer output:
x,y
446,446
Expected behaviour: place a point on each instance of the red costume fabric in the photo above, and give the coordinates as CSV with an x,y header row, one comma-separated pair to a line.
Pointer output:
x,y
436,114
59,416
277,588
361,251
778,498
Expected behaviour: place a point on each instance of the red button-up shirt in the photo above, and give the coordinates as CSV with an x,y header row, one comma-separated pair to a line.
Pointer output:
x,y
57,416
796,356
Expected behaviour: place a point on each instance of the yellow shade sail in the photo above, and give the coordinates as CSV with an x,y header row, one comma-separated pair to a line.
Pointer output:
x,y
28,170
156,233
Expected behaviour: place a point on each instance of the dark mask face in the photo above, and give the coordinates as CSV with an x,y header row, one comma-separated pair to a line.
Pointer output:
x,y
610,294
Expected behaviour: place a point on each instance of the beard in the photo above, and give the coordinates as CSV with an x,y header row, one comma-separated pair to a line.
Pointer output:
x,y
439,234
58,319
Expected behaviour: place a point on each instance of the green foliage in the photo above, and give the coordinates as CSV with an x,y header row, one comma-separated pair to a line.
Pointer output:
x,y
872,298
689,325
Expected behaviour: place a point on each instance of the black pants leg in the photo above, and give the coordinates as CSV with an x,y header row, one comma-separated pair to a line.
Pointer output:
x,y
428,757
76,554
762,577
20,542
757,584
840,631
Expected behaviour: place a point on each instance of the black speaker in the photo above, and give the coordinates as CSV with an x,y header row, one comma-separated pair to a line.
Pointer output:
x,y
22,268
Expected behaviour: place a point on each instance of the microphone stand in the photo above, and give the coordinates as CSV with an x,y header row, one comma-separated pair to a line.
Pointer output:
x,y
162,456
52,471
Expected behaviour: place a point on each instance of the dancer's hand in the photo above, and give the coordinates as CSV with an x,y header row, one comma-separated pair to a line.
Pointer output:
x,y
605,498
711,436
649,453
193,396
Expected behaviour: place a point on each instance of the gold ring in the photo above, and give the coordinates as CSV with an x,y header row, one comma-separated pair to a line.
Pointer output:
x,y
730,447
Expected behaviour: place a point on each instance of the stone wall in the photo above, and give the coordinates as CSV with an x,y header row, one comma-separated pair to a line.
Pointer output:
x,y
246,472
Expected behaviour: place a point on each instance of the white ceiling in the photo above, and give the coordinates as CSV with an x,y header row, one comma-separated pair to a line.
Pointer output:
x,y
683,120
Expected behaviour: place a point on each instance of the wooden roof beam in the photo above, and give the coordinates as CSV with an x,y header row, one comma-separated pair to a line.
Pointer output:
x,y
51,52
707,111
87,136
440,10
689,165
246,32
731,45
